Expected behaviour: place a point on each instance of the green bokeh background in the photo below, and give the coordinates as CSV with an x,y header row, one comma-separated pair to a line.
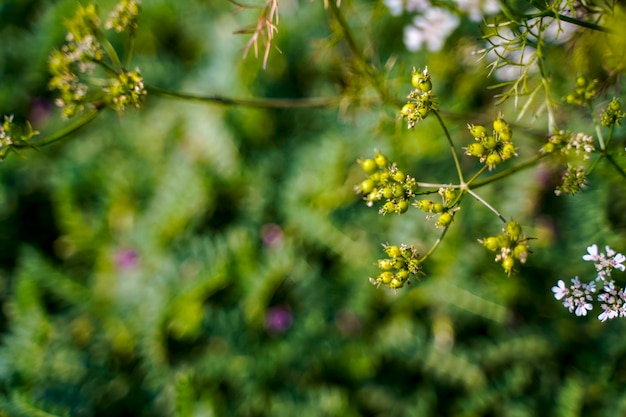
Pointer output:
x,y
143,260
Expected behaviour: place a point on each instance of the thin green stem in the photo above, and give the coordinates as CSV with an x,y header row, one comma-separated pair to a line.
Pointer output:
x,y
131,48
452,148
63,133
115,59
521,166
477,174
489,206
271,103
568,19
435,245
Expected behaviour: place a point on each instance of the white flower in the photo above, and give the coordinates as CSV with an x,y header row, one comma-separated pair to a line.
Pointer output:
x,y
560,290
612,300
394,6
430,29
592,253
577,298
606,262
476,8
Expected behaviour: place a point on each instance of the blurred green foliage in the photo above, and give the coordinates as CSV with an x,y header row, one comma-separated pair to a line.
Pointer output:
x,y
197,260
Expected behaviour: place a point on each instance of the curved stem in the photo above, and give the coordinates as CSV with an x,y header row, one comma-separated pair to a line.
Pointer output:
x,y
63,133
131,48
435,245
271,103
111,53
477,174
489,206
526,164
452,149
568,19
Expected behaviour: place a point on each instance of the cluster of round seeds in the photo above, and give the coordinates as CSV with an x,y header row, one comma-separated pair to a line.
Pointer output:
x,y
402,262
511,244
444,209
613,114
421,100
584,92
386,182
492,148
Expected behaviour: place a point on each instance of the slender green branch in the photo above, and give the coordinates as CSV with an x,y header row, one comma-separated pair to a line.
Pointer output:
x,y
489,206
435,245
452,148
521,166
61,134
271,103
131,49
111,53
568,19
477,174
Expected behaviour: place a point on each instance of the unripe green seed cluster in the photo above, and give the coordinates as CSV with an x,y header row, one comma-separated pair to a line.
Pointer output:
x,y
402,262
613,114
446,215
492,149
421,100
386,182
511,245
584,91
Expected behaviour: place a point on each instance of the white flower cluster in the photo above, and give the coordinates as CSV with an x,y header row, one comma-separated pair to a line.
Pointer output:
x,y
432,25
578,296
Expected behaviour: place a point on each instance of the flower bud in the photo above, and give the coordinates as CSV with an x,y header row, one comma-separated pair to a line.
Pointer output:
x,y
444,220
491,243
476,149
514,230
507,264
381,160
477,131
402,206
385,264
368,165
393,251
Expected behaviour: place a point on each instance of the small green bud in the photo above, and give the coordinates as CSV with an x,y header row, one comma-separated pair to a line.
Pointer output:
x,y
402,206
444,220
386,277
615,105
493,159
503,241
514,230
449,194
399,176
388,207
381,160
437,208
387,192
508,151
398,190
408,109
403,275
490,142
476,149
424,205
501,127
368,165
507,264
393,251
367,186
385,264
477,131
491,243
521,252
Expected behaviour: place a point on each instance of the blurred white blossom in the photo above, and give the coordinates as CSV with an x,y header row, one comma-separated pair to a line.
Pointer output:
x,y
430,29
